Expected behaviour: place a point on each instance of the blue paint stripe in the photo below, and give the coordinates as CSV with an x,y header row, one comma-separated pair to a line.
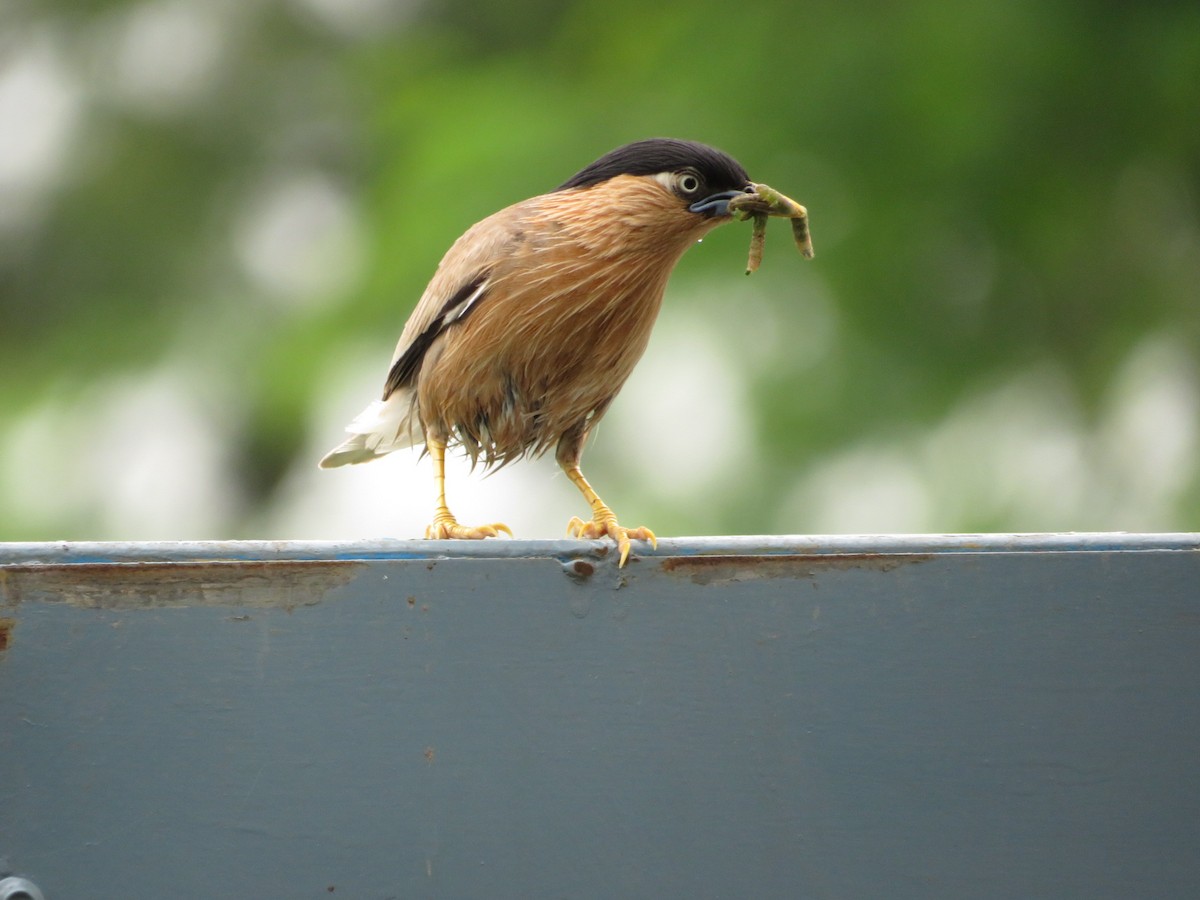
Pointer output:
x,y
92,553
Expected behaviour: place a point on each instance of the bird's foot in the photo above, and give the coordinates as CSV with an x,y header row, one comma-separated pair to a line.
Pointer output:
x,y
446,527
604,524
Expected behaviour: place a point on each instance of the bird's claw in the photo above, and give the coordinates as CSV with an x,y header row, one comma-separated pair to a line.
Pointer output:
x,y
445,527
604,524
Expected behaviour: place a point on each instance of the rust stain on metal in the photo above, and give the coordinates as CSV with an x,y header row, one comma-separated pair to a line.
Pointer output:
x,y
726,569
283,584
6,629
579,570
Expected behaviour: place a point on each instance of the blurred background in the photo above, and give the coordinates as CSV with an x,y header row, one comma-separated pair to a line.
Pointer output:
x,y
215,216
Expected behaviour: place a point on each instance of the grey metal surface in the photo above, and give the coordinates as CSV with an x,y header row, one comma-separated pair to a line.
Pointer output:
x,y
13,887
930,716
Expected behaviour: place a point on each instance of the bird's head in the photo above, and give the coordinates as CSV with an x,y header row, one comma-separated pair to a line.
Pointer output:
x,y
678,186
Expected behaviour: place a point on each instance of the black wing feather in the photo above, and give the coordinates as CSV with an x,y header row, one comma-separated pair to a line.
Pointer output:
x,y
404,370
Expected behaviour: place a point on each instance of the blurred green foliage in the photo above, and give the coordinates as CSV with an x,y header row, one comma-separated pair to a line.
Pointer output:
x,y
996,189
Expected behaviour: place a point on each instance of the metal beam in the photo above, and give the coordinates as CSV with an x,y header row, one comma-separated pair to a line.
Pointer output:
x,y
901,716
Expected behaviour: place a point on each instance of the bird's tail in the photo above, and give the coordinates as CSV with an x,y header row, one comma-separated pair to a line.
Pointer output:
x,y
382,427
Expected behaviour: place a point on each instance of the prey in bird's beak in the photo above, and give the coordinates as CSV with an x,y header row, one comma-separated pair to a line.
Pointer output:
x,y
761,202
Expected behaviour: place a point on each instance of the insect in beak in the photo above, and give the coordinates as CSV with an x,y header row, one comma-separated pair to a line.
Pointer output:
x,y
762,202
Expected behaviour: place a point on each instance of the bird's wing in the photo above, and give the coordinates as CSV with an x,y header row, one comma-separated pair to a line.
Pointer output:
x,y
407,361
460,283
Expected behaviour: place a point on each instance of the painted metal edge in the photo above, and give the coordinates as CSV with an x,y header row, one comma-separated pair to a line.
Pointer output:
x,y
94,552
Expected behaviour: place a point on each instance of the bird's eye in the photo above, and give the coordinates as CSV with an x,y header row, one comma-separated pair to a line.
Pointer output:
x,y
688,182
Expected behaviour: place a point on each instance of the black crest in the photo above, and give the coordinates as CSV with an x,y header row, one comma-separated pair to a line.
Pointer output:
x,y
719,170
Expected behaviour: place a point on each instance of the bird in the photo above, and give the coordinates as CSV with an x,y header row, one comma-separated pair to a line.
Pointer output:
x,y
536,316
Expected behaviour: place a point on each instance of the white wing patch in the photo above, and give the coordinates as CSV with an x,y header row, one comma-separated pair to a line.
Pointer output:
x,y
455,313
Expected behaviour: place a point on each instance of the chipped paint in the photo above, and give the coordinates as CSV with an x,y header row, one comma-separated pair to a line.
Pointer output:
x,y
726,569
284,584
579,569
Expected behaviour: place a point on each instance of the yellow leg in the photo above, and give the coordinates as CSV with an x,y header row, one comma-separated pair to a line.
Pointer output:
x,y
604,521
444,524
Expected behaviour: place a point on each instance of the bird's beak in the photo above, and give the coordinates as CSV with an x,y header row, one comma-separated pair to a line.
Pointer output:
x,y
715,205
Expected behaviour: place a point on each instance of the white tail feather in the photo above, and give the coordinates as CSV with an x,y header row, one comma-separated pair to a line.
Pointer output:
x,y
384,426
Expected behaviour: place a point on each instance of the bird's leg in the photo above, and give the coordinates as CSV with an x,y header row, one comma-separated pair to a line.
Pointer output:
x,y
444,524
604,520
